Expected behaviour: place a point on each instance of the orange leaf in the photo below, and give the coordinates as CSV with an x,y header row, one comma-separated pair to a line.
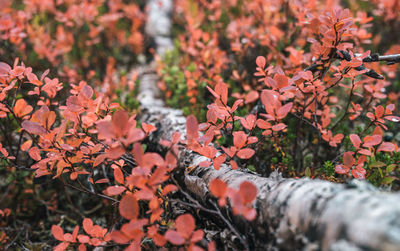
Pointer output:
x,y
21,108
169,188
26,145
34,152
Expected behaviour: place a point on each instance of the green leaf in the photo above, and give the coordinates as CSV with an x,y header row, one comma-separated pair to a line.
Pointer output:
x,y
388,180
390,168
377,164
307,172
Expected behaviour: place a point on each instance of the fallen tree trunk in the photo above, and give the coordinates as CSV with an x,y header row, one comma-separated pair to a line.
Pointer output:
x,y
310,213
298,213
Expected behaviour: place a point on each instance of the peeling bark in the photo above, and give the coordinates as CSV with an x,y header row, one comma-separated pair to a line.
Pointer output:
x,y
299,213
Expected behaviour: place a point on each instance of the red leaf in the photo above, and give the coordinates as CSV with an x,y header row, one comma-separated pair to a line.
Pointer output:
x,y
236,105
222,90
359,173
379,111
147,128
278,127
61,247
105,130
115,190
34,153
372,140
99,159
260,61
281,80
284,110
192,128
87,225
251,97
174,237
245,153
250,214
4,69
87,91
234,165
365,152
387,147
251,140
213,92
348,159
120,122
83,238
57,232
73,104
270,101
119,237
247,191
118,175
33,127
218,188
197,236
135,135
231,151
239,139
342,169
355,140
249,122
128,207
185,225
218,161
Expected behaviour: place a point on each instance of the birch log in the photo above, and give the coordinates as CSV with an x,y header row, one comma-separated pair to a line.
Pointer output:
x,y
298,213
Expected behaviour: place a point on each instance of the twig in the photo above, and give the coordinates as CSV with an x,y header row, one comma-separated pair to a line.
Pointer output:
x,y
217,212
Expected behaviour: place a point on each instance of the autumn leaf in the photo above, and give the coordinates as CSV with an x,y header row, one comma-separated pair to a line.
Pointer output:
x,y
129,207
57,232
33,127
245,153
21,108
174,237
115,190
185,225
248,191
